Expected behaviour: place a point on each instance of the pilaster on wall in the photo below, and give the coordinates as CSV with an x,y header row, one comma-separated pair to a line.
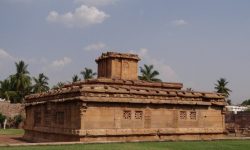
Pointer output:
x,y
175,119
83,109
147,123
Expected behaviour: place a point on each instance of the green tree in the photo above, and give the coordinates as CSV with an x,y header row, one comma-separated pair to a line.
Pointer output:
x,y
5,88
246,102
7,91
21,80
2,118
221,87
58,85
17,120
75,78
88,73
149,74
229,101
41,83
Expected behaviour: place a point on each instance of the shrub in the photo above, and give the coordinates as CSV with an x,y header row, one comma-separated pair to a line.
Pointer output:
x,y
2,118
13,122
17,120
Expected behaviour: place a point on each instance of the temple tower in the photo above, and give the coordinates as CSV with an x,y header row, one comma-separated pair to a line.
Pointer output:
x,y
118,66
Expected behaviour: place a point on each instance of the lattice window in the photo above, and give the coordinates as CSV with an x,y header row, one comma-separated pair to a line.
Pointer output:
x,y
37,118
192,115
127,114
183,115
138,115
60,118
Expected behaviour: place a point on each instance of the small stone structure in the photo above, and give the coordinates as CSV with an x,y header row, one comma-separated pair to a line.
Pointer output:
x,y
118,107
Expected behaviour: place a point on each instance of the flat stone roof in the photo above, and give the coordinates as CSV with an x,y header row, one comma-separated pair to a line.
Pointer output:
x,y
117,55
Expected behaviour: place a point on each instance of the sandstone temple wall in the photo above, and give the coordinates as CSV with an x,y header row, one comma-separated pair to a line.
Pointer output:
x,y
134,116
85,121
53,116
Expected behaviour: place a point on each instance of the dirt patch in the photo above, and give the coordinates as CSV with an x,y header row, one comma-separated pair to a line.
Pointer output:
x,y
11,139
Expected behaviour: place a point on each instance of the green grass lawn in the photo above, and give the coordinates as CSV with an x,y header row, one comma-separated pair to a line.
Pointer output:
x,y
11,132
207,145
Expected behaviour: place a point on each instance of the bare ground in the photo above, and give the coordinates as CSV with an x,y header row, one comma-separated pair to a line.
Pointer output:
x,y
11,139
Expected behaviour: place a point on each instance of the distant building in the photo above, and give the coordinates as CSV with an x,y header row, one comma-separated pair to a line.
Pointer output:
x,y
236,109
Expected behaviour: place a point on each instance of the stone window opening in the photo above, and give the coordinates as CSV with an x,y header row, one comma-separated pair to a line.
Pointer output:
x,y
127,114
192,115
138,115
183,115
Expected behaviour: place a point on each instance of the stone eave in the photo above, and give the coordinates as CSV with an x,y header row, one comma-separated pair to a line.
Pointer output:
x,y
110,91
109,88
135,100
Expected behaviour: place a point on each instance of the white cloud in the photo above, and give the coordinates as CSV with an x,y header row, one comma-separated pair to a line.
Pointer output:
x,y
4,54
95,46
166,72
96,2
81,17
61,62
179,22
6,64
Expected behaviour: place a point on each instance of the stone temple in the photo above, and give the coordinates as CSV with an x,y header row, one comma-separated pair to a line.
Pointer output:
x,y
118,107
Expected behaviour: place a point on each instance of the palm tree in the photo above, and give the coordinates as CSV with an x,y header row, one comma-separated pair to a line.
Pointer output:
x,y
149,74
7,91
41,83
75,78
21,79
88,73
221,87
58,85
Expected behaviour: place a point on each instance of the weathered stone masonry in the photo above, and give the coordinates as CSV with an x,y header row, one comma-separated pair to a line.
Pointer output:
x,y
118,107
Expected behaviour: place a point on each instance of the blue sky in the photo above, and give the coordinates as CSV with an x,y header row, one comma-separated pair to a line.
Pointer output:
x,y
195,42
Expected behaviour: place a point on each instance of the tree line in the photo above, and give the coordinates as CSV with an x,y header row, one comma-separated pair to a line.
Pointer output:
x,y
15,87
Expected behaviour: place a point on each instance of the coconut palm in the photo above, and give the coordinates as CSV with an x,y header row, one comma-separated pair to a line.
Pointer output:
x,y
75,78
221,87
21,80
7,91
148,73
5,88
41,83
88,73
58,85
